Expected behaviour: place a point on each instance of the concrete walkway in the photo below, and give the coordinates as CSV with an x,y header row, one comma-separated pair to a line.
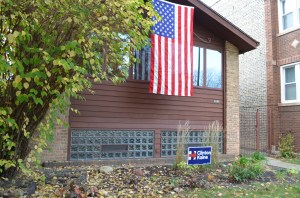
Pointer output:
x,y
281,164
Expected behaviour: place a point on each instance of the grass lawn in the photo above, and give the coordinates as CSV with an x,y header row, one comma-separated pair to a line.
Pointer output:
x,y
295,160
254,190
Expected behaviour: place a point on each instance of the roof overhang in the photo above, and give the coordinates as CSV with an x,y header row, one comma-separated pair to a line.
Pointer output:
x,y
220,26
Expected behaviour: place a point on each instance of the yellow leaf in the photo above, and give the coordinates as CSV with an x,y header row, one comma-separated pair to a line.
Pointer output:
x,y
56,62
92,61
16,34
18,93
17,79
26,85
72,53
10,38
74,89
69,19
34,70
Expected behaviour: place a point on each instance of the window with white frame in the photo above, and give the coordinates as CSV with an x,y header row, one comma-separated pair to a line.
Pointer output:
x,y
289,14
290,83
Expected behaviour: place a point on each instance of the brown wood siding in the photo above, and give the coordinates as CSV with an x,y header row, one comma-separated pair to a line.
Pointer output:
x,y
130,106
204,38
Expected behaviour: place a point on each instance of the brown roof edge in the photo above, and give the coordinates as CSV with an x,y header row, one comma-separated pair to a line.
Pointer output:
x,y
248,42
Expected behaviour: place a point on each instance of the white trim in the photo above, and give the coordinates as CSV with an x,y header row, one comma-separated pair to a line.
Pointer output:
x,y
297,81
163,72
176,52
155,73
292,29
289,104
296,13
182,46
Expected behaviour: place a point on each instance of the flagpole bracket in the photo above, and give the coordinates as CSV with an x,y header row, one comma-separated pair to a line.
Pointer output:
x,y
205,40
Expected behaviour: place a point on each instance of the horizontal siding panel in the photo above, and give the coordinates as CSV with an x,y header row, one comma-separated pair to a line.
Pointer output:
x,y
115,112
99,120
139,118
133,107
130,106
162,105
125,96
136,126
143,88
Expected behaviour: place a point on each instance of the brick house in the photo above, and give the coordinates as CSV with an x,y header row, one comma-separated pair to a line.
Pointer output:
x,y
126,122
249,16
269,75
283,68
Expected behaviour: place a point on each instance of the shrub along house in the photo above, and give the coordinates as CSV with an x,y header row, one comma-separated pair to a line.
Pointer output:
x,y
126,121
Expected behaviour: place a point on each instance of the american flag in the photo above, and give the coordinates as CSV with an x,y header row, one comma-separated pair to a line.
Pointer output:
x,y
172,50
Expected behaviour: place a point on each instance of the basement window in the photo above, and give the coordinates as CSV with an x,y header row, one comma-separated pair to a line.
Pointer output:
x,y
101,145
195,139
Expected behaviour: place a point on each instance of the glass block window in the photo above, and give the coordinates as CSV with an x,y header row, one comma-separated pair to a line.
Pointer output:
x,y
195,138
96,145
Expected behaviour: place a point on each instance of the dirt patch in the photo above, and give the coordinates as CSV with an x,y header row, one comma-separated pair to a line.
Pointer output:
x,y
153,181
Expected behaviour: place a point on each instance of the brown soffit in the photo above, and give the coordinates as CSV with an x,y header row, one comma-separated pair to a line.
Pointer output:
x,y
221,27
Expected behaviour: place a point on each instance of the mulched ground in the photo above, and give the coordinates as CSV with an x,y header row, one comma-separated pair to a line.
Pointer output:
x,y
127,181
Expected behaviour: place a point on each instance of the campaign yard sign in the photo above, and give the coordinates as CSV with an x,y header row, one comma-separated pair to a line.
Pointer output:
x,y
199,155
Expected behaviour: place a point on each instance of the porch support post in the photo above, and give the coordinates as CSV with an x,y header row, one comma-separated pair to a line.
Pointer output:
x,y
232,100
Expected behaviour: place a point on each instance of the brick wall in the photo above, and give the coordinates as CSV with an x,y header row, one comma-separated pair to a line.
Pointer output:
x,y
249,16
232,98
280,52
59,147
290,122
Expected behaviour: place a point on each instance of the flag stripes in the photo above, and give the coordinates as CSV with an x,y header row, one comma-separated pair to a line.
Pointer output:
x,y
171,56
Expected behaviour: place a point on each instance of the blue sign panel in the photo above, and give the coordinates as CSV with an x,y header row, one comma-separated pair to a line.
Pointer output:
x,y
199,155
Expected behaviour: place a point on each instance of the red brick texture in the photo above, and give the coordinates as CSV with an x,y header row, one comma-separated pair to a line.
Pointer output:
x,y
59,147
279,51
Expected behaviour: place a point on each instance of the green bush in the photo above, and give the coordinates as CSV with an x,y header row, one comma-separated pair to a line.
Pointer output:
x,y
286,145
184,166
245,168
258,156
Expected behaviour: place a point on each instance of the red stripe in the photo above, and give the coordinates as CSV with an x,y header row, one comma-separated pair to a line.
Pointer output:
x,y
186,48
191,50
152,64
159,65
173,66
181,38
166,65
179,50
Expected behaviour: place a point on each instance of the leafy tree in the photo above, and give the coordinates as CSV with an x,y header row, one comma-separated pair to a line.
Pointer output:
x,y
50,51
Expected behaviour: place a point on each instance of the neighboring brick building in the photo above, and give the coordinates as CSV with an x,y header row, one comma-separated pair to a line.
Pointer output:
x,y
126,122
269,75
283,68
249,16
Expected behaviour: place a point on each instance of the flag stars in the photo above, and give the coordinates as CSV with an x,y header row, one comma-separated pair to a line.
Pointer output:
x,y
165,27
